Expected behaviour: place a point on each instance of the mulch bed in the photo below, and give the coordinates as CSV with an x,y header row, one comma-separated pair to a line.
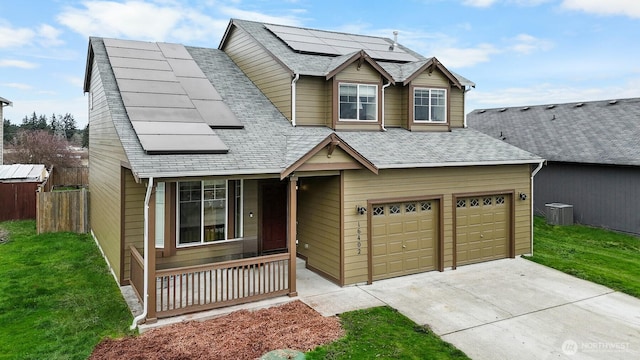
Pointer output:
x,y
240,335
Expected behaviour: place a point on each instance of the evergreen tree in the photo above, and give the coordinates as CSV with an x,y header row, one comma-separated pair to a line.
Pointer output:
x,y
85,137
69,124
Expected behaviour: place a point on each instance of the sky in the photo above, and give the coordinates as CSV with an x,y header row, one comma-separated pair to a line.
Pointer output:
x,y
518,52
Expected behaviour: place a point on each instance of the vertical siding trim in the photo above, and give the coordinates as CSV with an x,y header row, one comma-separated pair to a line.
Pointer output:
x,y
122,225
341,229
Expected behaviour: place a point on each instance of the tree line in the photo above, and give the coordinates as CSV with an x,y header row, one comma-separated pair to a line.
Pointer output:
x,y
42,140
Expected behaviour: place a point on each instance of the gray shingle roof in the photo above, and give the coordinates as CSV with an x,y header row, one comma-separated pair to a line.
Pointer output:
x,y
321,65
269,144
596,132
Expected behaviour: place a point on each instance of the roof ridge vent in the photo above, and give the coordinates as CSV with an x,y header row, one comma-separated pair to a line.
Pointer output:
x,y
503,110
551,106
613,102
579,104
525,108
482,111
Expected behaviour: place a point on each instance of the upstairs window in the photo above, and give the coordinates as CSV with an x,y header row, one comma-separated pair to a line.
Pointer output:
x,y
430,105
358,102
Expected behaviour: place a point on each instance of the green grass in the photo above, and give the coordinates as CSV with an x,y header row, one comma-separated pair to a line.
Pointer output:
x,y
384,333
604,257
57,297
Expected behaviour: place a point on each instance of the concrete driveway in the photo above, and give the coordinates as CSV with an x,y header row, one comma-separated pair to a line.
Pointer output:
x,y
506,309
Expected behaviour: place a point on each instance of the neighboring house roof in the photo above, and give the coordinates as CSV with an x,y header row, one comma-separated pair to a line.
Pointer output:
x,y
4,102
23,173
596,132
269,144
322,65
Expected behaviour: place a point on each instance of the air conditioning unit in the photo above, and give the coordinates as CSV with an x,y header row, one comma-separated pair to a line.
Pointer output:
x,y
559,214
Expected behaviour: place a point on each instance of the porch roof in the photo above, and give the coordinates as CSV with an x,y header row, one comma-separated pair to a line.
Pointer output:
x,y
268,143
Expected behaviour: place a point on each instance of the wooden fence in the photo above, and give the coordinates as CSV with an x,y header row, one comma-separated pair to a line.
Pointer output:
x,y
18,201
62,211
75,176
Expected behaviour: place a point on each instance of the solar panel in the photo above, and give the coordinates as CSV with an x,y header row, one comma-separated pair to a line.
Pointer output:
x,y
170,102
331,43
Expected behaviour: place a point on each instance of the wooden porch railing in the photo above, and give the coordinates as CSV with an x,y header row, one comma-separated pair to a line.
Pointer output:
x,y
137,272
204,287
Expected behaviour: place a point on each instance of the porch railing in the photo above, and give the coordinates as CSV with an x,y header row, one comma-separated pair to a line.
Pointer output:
x,y
137,271
203,287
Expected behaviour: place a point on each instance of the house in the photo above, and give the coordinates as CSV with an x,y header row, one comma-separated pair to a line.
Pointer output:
x,y
593,156
18,186
211,170
3,102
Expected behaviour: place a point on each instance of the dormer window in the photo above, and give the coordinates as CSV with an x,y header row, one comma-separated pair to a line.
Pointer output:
x,y
429,105
358,102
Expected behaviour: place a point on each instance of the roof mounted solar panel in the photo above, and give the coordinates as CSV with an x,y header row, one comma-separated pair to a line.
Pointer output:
x,y
332,43
171,104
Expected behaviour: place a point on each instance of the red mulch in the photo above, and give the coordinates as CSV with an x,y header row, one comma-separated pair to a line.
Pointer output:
x,y
240,335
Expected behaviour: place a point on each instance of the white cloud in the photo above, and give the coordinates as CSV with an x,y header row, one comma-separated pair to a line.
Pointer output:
x,y
18,86
131,19
527,44
256,16
453,57
17,63
630,8
15,37
547,93
479,3
49,35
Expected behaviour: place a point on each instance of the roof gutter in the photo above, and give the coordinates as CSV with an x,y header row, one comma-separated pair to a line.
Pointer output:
x,y
535,171
145,300
293,98
461,163
384,87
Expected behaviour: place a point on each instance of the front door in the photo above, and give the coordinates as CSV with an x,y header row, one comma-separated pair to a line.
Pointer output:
x,y
273,196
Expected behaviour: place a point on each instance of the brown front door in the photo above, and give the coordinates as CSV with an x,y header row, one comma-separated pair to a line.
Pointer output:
x,y
274,215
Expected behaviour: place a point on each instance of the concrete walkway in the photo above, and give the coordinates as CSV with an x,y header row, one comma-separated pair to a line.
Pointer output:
x,y
505,309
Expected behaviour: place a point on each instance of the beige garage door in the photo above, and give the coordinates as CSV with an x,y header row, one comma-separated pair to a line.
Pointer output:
x,y
482,228
404,237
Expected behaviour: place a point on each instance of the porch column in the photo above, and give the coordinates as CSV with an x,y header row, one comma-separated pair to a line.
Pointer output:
x,y
291,233
151,307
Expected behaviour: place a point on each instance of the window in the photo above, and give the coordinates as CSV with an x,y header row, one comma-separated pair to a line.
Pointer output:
x,y
203,211
430,105
358,102
160,215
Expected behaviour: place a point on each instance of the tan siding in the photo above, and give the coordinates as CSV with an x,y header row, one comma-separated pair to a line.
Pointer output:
x,y
311,101
319,223
436,79
133,218
366,73
268,75
338,156
456,106
105,156
361,186
395,112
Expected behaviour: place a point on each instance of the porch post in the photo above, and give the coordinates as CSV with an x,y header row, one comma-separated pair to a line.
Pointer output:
x,y
151,307
291,233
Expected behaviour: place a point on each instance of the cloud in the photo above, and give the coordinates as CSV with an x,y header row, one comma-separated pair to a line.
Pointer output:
x,y
17,63
479,3
527,44
630,8
488,3
15,37
18,86
49,35
256,16
453,57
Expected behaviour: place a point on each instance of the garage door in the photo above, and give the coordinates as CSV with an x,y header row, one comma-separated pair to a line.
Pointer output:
x,y
403,238
482,228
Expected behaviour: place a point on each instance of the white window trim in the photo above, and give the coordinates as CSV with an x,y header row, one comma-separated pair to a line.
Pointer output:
x,y
446,119
226,217
159,232
358,97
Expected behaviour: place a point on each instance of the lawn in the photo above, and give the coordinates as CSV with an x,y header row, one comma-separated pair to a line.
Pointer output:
x,y
57,297
384,333
601,256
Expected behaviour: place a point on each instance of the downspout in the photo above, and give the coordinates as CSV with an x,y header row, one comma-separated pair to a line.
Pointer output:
x,y
145,300
384,87
293,99
532,175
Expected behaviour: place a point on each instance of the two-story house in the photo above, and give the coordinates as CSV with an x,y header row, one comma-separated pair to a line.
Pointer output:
x,y
211,170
